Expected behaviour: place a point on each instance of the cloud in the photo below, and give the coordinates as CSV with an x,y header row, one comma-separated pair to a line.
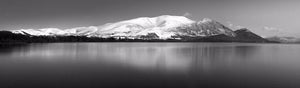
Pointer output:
x,y
233,26
239,27
270,29
187,14
276,31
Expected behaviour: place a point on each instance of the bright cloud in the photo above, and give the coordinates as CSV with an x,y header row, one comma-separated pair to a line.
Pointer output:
x,y
271,29
234,27
187,14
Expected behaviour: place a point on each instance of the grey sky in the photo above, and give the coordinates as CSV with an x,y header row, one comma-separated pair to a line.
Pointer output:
x,y
265,17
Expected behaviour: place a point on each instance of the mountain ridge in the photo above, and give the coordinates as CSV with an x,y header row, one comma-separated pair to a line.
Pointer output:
x,y
163,27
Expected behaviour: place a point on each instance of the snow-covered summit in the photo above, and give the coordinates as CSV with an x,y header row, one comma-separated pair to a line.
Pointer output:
x,y
38,32
144,25
206,20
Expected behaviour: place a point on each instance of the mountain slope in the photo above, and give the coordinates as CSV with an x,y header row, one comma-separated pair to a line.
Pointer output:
x,y
241,35
245,35
206,27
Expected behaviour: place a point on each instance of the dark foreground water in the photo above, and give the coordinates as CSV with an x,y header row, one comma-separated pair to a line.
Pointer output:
x,y
153,65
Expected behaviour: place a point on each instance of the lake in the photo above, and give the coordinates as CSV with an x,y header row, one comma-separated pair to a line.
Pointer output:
x,y
150,65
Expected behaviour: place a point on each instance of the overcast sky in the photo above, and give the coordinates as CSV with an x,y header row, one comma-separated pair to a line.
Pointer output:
x,y
265,17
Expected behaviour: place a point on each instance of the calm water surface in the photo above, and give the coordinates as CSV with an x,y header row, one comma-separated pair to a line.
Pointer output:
x,y
153,65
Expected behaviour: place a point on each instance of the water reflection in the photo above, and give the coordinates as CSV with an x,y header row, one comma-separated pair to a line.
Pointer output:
x,y
158,65
157,56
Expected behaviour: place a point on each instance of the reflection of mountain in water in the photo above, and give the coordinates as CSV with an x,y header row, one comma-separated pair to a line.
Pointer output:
x,y
163,56
159,65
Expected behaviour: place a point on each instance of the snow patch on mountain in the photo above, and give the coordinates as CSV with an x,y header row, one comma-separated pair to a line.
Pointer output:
x,y
144,25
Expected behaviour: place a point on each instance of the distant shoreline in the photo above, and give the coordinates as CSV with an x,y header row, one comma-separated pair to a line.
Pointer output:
x,y
9,38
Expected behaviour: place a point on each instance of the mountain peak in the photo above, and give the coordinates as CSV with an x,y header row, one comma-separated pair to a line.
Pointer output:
x,y
173,17
205,20
244,29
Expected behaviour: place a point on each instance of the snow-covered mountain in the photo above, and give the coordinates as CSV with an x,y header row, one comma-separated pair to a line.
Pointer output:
x,y
164,27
